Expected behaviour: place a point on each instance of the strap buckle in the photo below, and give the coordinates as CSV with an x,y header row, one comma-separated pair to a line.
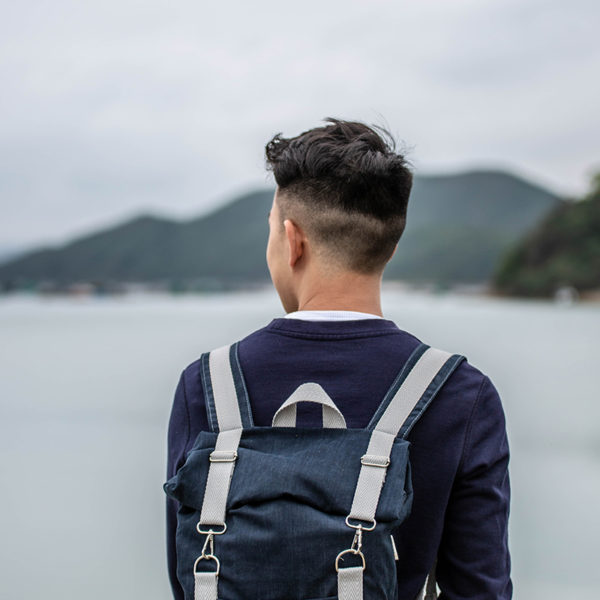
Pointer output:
x,y
359,526
223,456
210,531
374,460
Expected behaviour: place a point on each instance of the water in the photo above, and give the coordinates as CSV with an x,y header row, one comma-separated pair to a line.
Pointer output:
x,y
86,386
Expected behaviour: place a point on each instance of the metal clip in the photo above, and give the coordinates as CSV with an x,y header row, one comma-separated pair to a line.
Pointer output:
x,y
209,541
355,548
210,557
349,551
357,541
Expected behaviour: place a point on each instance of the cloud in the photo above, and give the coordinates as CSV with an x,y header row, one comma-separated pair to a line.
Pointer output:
x,y
113,107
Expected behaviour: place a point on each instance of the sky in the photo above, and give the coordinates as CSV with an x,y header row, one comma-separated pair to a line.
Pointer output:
x,y
115,108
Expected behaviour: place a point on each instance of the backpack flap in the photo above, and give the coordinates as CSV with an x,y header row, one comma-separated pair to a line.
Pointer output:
x,y
301,463
189,482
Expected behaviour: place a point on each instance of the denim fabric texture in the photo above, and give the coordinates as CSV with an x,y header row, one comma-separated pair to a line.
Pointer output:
x,y
290,493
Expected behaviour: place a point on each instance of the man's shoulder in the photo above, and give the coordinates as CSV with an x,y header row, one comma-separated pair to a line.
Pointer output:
x,y
274,362
193,369
395,337
280,335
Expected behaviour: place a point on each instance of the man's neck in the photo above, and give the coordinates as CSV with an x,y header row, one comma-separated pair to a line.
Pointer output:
x,y
356,293
373,308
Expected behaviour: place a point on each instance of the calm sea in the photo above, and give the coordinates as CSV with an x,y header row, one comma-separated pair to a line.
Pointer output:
x,y
86,386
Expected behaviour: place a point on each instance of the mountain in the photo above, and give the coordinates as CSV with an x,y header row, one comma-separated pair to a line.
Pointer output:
x,y
11,252
457,227
562,250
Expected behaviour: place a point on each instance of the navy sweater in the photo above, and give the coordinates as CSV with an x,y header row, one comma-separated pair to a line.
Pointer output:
x,y
459,449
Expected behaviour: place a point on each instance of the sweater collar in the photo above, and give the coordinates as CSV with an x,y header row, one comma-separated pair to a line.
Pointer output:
x,y
330,315
344,327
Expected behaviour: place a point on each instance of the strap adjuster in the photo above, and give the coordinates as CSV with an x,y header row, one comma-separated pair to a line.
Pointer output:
x,y
223,456
374,460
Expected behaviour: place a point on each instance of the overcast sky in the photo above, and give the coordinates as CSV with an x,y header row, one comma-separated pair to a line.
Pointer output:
x,y
114,107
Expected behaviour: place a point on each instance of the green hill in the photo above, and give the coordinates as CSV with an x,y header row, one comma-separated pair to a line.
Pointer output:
x,y
562,250
457,227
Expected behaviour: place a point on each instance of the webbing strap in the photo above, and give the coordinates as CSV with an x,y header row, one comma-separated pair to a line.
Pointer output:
x,y
372,475
223,387
220,472
350,583
205,586
309,392
222,459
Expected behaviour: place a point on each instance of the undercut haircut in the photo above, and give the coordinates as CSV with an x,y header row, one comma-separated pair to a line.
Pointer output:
x,y
347,187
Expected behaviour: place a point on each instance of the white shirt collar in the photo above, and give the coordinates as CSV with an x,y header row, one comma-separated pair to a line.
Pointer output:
x,y
330,315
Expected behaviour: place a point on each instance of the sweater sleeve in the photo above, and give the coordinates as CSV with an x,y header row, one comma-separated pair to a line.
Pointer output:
x,y
177,440
473,558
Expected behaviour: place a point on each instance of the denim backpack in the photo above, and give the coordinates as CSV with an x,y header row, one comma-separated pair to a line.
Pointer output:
x,y
293,513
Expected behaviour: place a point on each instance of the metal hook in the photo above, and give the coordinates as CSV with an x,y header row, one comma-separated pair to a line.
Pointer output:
x,y
208,542
357,541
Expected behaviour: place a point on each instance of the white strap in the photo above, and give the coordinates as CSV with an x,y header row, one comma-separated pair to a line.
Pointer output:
x,y
350,583
205,586
430,589
309,392
411,390
223,458
372,475
223,385
220,472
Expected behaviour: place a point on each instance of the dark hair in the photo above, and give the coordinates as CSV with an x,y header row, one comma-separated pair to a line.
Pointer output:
x,y
346,185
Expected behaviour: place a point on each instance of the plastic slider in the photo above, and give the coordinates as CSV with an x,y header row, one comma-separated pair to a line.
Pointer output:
x,y
374,460
222,456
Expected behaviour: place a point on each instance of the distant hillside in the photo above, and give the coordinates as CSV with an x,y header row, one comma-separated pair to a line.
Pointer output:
x,y
457,227
10,252
562,250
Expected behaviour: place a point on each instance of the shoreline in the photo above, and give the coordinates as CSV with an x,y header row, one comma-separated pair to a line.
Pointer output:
x,y
87,290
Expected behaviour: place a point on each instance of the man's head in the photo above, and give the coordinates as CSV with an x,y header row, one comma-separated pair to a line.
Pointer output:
x,y
341,200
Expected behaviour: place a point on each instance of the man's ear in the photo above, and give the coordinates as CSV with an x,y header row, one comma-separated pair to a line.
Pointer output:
x,y
295,241
394,252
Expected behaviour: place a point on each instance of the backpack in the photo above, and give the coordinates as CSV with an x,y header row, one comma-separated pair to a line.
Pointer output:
x,y
293,513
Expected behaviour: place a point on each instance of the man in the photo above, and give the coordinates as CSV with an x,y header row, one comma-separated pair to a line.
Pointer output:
x,y
337,215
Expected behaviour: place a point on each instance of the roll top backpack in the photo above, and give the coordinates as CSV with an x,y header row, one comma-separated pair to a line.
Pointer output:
x,y
293,513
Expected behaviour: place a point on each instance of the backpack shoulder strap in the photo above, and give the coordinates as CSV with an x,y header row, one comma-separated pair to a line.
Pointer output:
x,y
418,382
420,379
228,413
225,393
414,388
